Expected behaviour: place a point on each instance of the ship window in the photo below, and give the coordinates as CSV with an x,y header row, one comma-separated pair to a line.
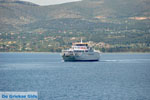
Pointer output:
x,y
79,51
81,44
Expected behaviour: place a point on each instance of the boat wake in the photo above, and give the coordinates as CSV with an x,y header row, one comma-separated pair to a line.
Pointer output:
x,y
127,60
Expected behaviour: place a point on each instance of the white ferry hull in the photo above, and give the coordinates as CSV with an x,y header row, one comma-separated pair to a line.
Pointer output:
x,y
84,56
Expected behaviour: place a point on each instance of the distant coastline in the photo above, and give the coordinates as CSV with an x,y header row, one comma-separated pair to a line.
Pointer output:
x,y
60,52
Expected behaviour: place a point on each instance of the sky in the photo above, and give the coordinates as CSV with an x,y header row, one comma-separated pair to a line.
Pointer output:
x,y
50,2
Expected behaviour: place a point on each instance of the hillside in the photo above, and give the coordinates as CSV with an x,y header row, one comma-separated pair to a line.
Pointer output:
x,y
118,23
14,13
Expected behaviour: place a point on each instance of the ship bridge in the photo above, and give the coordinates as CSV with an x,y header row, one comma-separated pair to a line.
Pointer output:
x,y
80,46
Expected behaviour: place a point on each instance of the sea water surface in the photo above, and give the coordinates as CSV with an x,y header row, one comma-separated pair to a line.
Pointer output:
x,y
120,76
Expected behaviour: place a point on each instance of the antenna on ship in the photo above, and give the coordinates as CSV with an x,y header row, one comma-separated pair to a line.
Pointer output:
x,y
81,40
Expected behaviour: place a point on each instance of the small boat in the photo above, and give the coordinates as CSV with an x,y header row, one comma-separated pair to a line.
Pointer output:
x,y
80,52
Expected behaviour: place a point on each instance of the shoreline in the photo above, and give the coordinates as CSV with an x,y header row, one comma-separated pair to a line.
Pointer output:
x,y
60,52
31,52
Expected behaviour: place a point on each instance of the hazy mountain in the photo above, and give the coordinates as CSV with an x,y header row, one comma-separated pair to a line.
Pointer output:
x,y
105,8
14,13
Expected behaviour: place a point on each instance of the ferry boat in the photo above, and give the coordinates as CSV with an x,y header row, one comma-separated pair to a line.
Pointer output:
x,y
80,52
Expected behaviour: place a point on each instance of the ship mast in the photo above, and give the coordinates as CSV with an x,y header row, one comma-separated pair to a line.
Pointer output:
x,y
81,40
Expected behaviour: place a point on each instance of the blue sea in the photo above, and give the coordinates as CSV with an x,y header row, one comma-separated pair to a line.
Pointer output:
x,y
117,76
